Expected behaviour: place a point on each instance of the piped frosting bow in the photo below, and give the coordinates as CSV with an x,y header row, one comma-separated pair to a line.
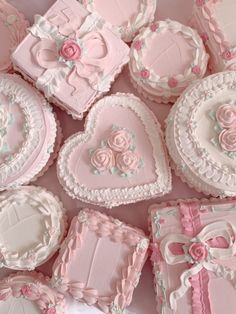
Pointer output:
x,y
199,252
79,53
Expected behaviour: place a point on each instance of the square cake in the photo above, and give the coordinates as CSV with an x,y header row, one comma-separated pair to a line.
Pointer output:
x,y
194,247
100,261
71,55
215,21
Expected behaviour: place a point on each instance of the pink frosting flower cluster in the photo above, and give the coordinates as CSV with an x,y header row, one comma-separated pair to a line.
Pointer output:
x,y
117,153
226,117
198,252
26,291
70,50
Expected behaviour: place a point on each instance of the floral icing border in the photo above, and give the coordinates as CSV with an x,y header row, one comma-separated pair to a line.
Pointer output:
x,y
166,86
204,11
33,287
54,225
22,94
117,154
103,226
6,119
114,197
146,15
189,158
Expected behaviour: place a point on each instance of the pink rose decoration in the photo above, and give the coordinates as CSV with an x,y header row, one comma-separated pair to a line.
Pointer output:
x,y
51,310
153,27
26,291
127,162
226,116
200,3
138,45
196,70
205,37
70,50
172,82
103,159
119,141
198,252
145,74
227,55
227,139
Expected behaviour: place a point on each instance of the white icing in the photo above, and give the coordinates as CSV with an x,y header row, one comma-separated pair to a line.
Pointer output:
x,y
32,225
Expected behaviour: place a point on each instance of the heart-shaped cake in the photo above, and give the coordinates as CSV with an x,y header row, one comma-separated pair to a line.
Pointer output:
x,y
201,135
119,159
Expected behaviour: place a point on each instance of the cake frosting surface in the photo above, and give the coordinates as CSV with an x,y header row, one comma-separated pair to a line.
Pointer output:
x,y
165,58
28,132
118,160
32,226
201,137
127,17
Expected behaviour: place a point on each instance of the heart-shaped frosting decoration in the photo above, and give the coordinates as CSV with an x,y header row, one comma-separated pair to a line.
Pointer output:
x,y
119,159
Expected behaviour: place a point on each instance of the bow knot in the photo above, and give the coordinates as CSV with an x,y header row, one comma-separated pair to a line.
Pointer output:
x,y
201,252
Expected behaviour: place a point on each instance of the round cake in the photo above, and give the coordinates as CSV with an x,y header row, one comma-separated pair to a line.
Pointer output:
x,y
201,135
30,293
165,58
12,30
28,132
32,226
127,17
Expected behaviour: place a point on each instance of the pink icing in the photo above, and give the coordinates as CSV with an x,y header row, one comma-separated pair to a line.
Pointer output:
x,y
145,74
26,291
103,159
200,3
227,55
156,256
172,82
227,139
137,44
153,27
196,70
226,116
198,252
127,161
51,310
70,50
205,37
119,141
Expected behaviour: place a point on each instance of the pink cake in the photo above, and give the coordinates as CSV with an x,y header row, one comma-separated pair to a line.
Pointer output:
x,y
32,226
28,132
117,160
71,55
194,256
100,261
215,21
201,136
127,17
12,31
165,58
29,293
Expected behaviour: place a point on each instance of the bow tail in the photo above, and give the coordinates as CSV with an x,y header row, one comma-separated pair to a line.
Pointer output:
x,y
49,82
222,272
185,285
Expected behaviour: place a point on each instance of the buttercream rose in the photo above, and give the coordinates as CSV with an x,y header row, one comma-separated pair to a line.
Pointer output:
x,y
3,117
103,159
119,141
198,252
227,139
226,116
26,291
51,310
127,162
70,50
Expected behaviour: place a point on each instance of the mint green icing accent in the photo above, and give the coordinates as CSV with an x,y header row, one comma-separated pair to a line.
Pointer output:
x,y
212,115
103,143
162,287
11,119
5,148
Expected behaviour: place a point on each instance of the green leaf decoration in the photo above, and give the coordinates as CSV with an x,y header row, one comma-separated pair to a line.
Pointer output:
x,y
11,119
217,128
212,115
91,150
113,170
132,147
103,143
214,141
96,172
5,148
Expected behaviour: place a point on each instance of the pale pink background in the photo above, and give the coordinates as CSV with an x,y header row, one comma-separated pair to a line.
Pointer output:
x,y
144,298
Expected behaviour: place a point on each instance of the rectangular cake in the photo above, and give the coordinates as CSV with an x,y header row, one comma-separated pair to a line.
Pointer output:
x,y
100,261
215,20
71,55
193,255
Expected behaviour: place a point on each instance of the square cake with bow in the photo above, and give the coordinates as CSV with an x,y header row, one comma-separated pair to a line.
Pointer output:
x,y
194,256
71,55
